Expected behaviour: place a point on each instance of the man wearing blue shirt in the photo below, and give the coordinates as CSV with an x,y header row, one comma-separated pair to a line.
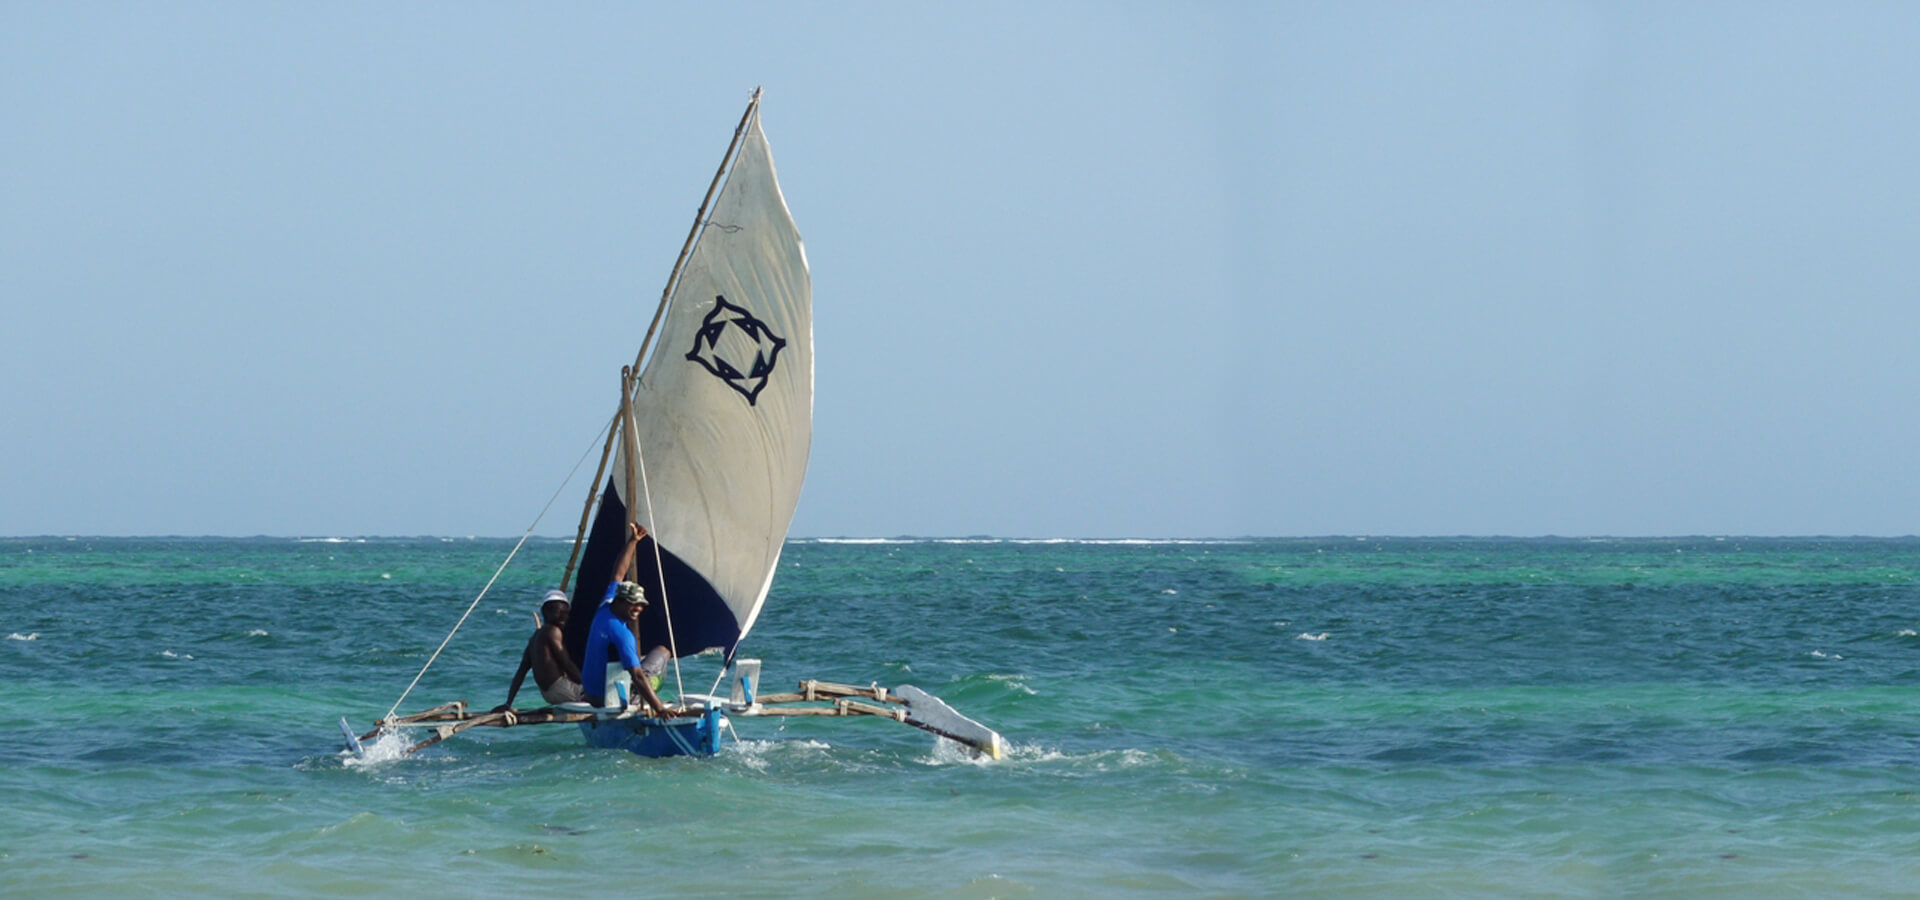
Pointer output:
x,y
612,635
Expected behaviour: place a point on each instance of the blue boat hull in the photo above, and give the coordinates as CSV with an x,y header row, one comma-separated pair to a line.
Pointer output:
x,y
656,738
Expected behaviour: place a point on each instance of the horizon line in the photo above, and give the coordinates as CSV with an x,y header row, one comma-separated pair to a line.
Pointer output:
x,y
1340,536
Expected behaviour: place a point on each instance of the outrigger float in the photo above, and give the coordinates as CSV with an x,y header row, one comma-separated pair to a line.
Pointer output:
x,y
709,448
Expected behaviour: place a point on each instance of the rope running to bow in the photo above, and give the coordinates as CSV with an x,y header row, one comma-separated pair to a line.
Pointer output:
x,y
496,573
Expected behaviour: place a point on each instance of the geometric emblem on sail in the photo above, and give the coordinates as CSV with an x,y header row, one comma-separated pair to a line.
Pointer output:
x,y
737,348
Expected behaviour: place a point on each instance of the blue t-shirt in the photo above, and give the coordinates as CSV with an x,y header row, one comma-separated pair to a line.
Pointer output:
x,y
607,631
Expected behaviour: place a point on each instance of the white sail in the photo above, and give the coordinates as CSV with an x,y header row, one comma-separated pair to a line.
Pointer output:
x,y
723,411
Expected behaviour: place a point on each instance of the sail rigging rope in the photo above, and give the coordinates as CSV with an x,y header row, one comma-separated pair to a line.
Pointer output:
x,y
666,607
503,567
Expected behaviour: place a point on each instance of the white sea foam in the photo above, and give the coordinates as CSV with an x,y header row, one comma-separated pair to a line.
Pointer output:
x,y
1304,636
758,754
1125,542
754,746
946,752
385,747
1821,654
949,753
1014,683
1906,632
172,655
1147,542
1099,760
17,636
1168,591
257,632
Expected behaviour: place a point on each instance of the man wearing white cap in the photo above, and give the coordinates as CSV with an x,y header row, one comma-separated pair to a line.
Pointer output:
x,y
546,655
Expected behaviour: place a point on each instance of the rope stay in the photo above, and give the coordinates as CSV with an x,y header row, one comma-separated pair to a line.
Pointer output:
x,y
496,573
634,456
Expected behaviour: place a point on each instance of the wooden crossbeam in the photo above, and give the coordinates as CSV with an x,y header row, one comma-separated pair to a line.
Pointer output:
x,y
841,707
908,705
452,718
812,689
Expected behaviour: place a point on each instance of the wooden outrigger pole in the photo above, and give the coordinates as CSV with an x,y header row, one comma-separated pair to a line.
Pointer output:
x,y
905,704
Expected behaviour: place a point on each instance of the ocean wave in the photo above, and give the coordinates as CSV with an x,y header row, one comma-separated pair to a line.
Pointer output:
x,y
17,636
946,752
1090,542
759,754
951,753
1014,683
1119,542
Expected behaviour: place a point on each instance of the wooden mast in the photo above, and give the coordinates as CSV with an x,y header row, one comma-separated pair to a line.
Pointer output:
x,y
630,436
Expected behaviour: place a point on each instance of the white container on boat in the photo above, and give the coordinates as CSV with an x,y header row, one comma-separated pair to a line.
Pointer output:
x,y
746,681
619,686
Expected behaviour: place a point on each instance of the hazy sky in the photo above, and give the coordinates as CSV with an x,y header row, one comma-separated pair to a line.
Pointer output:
x,y
1095,270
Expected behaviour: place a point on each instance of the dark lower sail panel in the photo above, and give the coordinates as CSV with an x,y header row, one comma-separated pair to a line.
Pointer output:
x,y
701,620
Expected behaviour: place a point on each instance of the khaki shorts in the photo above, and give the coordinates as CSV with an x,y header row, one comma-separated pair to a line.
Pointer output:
x,y
566,690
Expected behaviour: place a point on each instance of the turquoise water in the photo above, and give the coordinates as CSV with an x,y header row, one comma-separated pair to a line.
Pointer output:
x,y
1321,718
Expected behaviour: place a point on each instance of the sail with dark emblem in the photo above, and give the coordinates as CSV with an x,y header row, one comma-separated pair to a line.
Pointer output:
x,y
712,456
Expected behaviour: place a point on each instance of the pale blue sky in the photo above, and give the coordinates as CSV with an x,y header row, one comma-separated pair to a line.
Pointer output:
x,y
1091,270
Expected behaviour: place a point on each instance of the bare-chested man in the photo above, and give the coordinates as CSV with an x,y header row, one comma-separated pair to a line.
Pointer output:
x,y
553,670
